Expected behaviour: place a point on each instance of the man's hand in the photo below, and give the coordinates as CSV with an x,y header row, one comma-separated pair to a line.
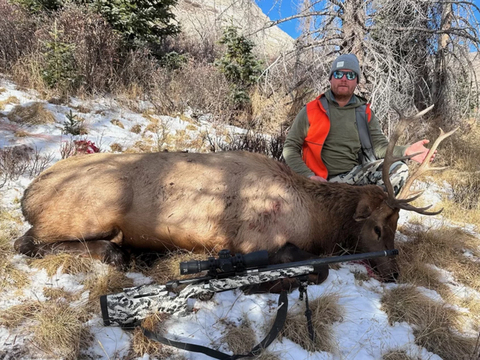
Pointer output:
x,y
318,178
419,147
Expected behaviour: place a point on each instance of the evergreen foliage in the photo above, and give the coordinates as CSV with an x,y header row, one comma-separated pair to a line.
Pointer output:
x,y
144,21
36,6
239,64
73,125
59,70
139,21
173,60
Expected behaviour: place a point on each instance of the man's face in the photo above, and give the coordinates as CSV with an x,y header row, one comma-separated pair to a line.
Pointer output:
x,y
343,87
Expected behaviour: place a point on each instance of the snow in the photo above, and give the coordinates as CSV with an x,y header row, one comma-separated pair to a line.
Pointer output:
x,y
363,333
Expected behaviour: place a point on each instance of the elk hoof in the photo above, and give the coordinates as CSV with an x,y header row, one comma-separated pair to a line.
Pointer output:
x,y
114,255
26,245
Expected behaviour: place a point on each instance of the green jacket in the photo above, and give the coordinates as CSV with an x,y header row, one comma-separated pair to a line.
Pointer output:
x,y
341,147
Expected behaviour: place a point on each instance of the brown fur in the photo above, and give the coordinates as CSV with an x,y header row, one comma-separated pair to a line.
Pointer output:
x,y
236,200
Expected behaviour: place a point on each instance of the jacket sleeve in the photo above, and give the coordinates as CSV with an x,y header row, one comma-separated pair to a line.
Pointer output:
x,y
380,142
292,148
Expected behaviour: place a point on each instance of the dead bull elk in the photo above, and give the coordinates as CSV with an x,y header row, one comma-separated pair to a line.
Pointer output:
x,y
96,204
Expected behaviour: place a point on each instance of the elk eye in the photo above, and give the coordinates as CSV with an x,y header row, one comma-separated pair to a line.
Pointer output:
x,y
378,231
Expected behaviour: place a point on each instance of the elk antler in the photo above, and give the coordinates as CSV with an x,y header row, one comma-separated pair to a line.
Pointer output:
x,y
402,202
425,165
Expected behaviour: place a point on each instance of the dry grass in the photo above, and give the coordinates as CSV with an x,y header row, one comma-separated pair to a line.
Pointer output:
x,y
118,123
142,345
464,205
33,114
269,112
68,263
53,293
398,355
59,330
445,248
240,338
10,275
436,326
116,147
105,281
167,267
325,311
461,154
8,101
17,314
136,129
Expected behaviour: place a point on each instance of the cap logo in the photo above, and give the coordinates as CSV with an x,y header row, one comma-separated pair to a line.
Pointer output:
x,y
340,64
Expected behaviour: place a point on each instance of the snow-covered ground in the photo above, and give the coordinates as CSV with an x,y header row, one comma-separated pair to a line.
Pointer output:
x,y
364,331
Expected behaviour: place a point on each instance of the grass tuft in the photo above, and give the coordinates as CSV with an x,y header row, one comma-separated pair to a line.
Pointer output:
x,y
435,325
33,114
398,355
240,338
325,311
17,314
103,282
59,331
10,275
167,267
449,248
8,101
141,345
69,264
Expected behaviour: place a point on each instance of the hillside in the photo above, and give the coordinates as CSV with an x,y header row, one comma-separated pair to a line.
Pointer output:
x,y
204,18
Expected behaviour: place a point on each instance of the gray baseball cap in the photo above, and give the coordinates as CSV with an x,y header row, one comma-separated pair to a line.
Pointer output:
x,y
346,61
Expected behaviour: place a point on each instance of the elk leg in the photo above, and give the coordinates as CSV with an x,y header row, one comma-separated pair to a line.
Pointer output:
x,y
104,250
286,254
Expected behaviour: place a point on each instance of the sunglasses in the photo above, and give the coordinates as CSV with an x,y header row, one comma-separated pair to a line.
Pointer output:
x,y
351,75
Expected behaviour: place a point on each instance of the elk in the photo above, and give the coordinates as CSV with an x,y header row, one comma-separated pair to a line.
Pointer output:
x,y
102,204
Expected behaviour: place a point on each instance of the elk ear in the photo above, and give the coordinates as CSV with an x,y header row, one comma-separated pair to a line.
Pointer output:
x,y
363,211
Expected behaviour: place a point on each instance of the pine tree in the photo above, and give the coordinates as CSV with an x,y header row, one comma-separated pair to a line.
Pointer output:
x,y
239,64
140,20
59,70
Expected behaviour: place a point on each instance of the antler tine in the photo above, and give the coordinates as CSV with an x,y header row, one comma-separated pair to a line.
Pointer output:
x,y
420,210
425,166
389,159
423,112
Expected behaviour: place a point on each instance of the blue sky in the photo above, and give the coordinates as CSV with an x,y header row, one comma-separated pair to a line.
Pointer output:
x,y
277,9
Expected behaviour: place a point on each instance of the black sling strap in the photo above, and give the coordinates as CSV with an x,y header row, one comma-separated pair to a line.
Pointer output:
x,y
366,153
274,331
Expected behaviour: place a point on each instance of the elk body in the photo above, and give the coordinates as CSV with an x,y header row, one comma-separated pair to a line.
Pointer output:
x,y
98,204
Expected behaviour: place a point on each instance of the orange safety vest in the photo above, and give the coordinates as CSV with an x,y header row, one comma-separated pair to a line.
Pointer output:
x,y
316,135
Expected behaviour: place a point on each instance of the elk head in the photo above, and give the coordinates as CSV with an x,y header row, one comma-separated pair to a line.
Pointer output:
x,y
382,224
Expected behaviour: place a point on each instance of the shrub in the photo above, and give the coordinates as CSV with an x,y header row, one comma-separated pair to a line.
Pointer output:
x,y
60,68
239,65
73,125
141,20
36,6
249,141
21,160
173,60
78,147
97,53
17,30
